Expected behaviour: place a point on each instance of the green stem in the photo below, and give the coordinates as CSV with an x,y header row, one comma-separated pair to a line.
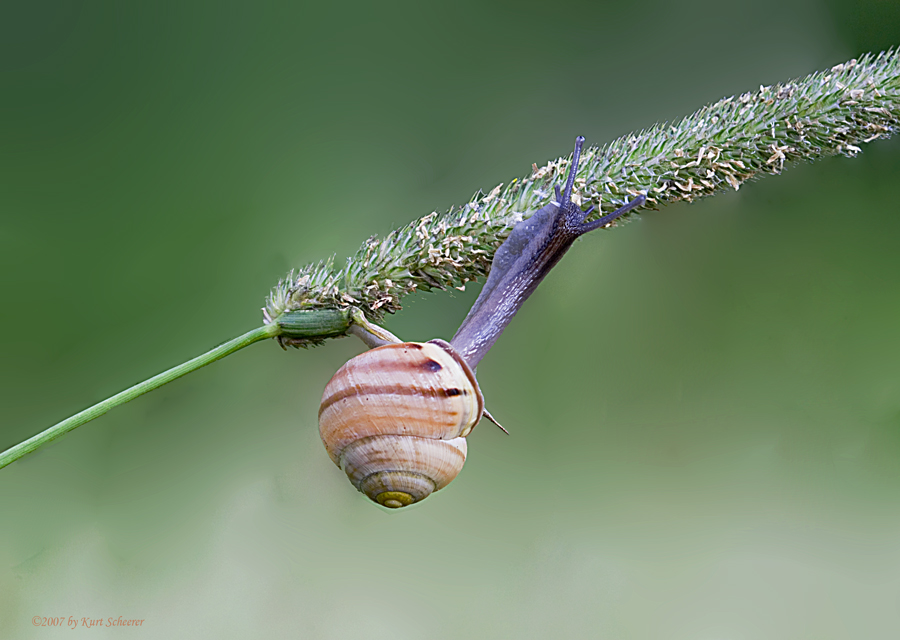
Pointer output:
x,y
23,448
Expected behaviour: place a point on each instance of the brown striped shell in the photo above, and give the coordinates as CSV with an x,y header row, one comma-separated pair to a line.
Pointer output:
x,y
395,419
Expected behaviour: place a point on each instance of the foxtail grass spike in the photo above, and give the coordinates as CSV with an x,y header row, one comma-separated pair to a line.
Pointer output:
x,y
719,147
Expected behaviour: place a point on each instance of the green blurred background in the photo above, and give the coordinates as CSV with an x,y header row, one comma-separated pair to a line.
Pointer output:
x,y
704,403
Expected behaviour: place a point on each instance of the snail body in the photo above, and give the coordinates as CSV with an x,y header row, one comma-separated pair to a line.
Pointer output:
x,y
395,418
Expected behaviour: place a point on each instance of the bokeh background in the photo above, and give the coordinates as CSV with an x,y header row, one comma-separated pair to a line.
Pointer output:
x,y
704,403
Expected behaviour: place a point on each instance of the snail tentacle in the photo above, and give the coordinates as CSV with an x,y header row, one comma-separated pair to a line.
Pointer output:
x,y
605,220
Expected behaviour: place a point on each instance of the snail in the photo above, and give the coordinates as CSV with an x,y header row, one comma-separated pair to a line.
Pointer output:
x,y
395,418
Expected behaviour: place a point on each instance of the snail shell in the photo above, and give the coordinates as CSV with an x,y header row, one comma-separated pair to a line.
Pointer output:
x,y
395,419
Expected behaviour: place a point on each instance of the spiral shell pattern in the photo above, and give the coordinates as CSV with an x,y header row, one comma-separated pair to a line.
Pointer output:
x,y
395,419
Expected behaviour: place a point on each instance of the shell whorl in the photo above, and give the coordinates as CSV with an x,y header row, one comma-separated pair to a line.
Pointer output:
x,y
395,419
